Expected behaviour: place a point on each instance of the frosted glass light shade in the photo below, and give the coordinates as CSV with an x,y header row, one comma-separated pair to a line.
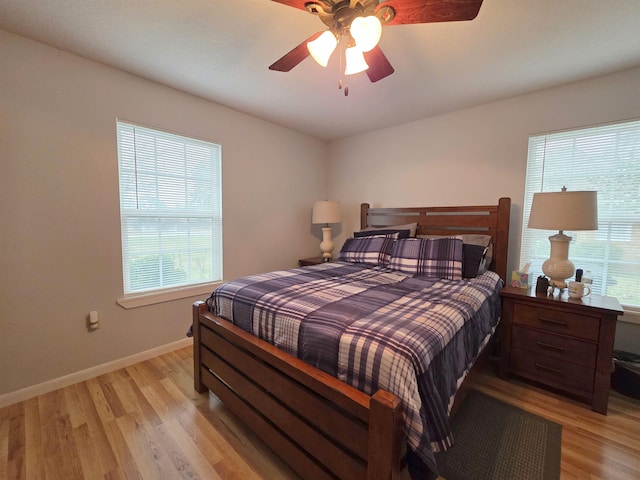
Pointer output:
x,y
322,47
366,32
355,61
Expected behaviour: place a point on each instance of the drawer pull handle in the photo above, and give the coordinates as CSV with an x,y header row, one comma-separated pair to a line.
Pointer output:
x,y
549,369
554,321
550,346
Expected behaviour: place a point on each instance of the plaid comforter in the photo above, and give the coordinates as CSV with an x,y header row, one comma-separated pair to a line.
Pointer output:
x,y
374,328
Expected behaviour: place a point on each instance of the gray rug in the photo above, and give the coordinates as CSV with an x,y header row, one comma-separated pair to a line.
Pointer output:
x,y
495,440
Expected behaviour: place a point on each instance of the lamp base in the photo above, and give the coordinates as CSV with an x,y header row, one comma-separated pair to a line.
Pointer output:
x,y
327,244
558,267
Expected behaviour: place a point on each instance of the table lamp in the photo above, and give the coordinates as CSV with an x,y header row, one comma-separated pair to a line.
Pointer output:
x,y
326,212
562,211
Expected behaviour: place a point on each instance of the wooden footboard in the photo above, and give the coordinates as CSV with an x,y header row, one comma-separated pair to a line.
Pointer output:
x,y
322,427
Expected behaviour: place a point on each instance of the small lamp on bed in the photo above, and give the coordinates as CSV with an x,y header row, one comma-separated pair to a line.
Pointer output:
x,y
326,212
561,211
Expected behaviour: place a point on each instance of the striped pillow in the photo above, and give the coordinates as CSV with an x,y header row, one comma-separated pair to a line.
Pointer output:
x,y
374,250
428,257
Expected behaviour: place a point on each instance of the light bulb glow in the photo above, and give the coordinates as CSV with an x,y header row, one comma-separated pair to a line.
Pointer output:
x,y
322,47
355,61
366,32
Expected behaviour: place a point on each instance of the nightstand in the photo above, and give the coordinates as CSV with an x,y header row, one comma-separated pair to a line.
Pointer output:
x,y
560,342
304,262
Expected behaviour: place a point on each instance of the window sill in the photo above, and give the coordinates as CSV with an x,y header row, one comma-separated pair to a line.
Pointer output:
x,y
630,316
160,296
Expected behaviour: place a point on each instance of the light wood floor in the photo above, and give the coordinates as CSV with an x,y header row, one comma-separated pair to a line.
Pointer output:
x,y
146,421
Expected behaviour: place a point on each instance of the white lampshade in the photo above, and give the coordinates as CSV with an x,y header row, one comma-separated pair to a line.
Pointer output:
x,y
322,47
355,61
562,211
366,32
326,211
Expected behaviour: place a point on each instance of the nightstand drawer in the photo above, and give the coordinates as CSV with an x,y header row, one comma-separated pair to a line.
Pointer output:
x,y
557,321
554,346
550,371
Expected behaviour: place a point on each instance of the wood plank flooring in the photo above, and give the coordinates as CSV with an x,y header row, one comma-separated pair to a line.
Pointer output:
x,y
146,421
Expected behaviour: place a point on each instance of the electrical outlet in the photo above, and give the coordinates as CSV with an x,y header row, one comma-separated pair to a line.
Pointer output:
x,y
94,320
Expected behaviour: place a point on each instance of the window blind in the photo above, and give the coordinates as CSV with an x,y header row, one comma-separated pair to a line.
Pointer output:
x,y
170,209
606,159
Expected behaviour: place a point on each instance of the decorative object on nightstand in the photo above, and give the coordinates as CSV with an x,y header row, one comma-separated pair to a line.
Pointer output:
x,y
562,211
560,342
326,212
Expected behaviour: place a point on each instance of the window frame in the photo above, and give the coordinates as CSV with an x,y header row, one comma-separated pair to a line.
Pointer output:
x,y
170,195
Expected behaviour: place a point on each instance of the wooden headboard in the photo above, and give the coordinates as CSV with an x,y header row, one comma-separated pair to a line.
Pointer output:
x,y
481,219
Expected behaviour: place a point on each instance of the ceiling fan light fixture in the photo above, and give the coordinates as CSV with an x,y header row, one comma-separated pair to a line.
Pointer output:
x,y
366,32
322,47
355,62
341,18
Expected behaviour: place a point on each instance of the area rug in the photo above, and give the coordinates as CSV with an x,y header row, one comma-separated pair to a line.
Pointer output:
x,y
497,441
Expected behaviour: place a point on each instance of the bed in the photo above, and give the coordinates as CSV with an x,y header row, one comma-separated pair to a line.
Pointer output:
x,y
323,427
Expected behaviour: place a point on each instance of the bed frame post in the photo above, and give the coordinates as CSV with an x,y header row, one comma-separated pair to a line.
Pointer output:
x,y
502,237
385,433
198,307
364,210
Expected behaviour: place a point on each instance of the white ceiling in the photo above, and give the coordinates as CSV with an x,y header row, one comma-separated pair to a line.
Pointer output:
x,y
220,50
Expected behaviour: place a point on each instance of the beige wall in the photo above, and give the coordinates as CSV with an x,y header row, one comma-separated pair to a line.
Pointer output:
x,y
473,156
60,230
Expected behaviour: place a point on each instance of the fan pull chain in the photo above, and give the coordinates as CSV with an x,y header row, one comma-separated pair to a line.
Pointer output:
x,y
342,44
340,67
340,85
346,88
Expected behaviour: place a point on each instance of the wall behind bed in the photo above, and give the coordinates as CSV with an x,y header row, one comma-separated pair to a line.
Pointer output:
x,y
60,226
473,156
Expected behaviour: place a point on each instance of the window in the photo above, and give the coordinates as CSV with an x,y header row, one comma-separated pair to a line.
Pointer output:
x,y
605,159
170,209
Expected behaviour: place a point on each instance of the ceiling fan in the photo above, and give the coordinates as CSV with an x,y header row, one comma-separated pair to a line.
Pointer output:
x,y
354,28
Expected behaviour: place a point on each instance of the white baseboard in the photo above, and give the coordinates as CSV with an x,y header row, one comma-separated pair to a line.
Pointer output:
x,y
51,385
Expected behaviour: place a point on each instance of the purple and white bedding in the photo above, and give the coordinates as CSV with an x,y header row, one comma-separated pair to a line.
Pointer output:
x,y
375,328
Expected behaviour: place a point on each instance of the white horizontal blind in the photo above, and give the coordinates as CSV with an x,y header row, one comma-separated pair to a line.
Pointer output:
x,y
170,209
605,159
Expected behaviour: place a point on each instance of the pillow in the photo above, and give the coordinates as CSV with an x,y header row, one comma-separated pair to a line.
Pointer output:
x,y
374,250
383,231
408,226
482,240
475,261
428,257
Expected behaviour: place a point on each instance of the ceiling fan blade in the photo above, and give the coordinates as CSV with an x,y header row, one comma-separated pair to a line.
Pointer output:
x,y
294,57
379,66
430,11
293,3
